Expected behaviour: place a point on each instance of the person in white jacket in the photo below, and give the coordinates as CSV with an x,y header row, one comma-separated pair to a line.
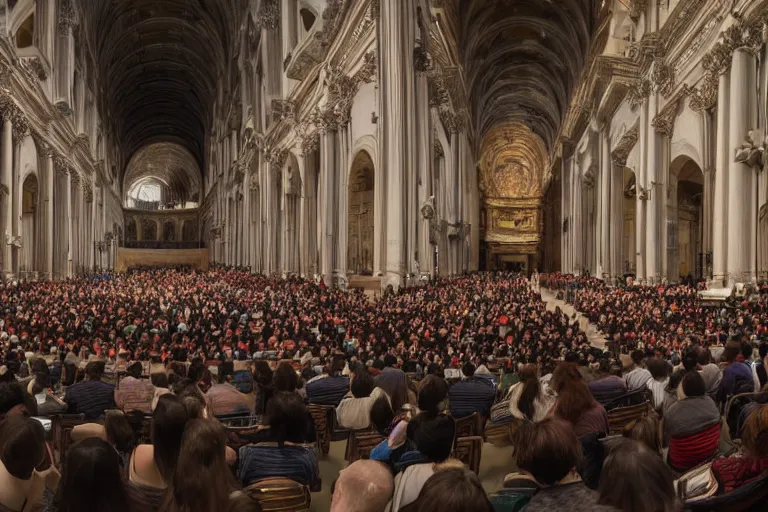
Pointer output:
x,y
354,410
530,399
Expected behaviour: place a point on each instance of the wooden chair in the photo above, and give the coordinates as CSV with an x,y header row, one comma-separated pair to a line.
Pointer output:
x,y
502,434
320,417
280,495
622,416
468,426
469,450
360,444
734,407
61,430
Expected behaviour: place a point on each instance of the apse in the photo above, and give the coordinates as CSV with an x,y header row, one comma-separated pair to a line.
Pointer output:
x,y
162,176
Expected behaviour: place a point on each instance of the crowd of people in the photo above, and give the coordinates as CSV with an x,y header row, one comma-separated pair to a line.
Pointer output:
x,y
156,362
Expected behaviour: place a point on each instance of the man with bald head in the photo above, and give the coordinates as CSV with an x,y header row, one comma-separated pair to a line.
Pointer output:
x,y
364,486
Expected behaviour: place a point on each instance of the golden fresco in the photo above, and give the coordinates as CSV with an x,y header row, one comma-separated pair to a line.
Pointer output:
x,y
513,160
512,166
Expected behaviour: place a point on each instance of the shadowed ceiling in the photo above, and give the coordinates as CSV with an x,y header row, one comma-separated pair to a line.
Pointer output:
x,y
158,63
523,59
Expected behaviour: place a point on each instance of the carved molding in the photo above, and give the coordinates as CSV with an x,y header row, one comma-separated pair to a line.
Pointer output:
x,y
625,146
636,9
662,77
638,91
705,97
422,60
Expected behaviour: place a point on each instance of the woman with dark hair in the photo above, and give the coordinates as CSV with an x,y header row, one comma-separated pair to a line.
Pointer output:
x,y
354,411
282,455
528,399
262,377
151,466
692,424
203,449
394,382
451,490
92,481
734,472
635,479
22,449
658,382
285,378
550,452
575,403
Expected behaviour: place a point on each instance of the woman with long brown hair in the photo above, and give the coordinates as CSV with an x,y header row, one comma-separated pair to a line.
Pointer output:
x,y
575,403
209,486
528,399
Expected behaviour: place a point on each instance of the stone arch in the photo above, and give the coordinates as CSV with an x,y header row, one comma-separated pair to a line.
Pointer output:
x,y
30,223
370,145
685,219
150,229
361,187
169,230
189,230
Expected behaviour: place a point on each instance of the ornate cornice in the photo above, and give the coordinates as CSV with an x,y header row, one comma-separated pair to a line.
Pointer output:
x,y
664,122
422,60
625,146
638,91
662,77
704,98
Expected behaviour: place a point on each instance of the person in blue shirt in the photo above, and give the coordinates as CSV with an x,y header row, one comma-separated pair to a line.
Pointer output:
x,y
472,394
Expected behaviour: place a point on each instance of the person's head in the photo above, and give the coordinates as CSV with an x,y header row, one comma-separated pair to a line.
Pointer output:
x,y
529,376
287,416
638,356
382,415
755,436
452,490
693,384
635,478
573,395
159,380
22,445
203,448
262,374
658,368
362,384
120,433
434,436
732,350
11,397
337,366
432,393
285,378
704,356
91,481
468,369
169,419
135,370
747,349
94,370
549,450
646,431
364,486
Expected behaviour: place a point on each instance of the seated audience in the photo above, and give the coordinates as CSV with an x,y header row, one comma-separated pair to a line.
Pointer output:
x,y
550,452
47,403
576,404
262,377
92,481
161,386
638,376
646,432
91,397
692,424
635,479
659,381
394,382
22,450
710,371
471,395
528,399
283,455
224,398
734,472
737,375
331,387
203,452
364,486
607,386
133,392
452,490
354,411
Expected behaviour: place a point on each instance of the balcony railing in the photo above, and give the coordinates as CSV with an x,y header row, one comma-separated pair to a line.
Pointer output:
x,y
154,244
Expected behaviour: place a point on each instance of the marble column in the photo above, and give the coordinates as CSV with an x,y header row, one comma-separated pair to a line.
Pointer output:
x,y
668,222
49,249
424,167
617,219
70,226
577,215
327,193
741,120
707,199
565,210
720,252
342,199
395,55
6,180
605,235
656,198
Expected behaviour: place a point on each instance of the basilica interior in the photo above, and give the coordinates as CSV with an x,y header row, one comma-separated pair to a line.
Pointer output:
x,y
370,143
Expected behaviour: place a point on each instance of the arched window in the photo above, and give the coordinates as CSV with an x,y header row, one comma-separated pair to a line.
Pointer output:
x,y
25,34
307,18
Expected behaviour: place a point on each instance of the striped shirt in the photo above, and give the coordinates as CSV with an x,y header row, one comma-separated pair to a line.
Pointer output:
x,y
90,397
637,378
658,391
328,390
472,395
267,460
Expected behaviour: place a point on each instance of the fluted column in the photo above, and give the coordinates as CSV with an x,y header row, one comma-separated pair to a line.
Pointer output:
x,y
741,120
327,194
653,242
578,214
606,236
65,58
565,211
49,249
720,252
342,199
395,54
6,180
70,226
616,222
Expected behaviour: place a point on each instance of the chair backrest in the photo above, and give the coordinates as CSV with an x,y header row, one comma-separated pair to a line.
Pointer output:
x,y
751,496
689,451
623,416
240,421
320,416
636,397
469,450
61,428
736,404
360,444
468,426
280,495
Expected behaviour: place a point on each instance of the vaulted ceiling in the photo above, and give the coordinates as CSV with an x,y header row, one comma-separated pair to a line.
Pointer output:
x,y
158,63
523,59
